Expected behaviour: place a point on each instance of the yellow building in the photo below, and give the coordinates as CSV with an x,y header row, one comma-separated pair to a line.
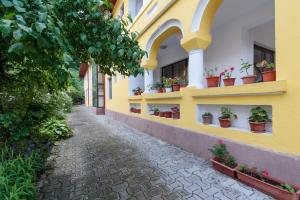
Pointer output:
x,y
187,38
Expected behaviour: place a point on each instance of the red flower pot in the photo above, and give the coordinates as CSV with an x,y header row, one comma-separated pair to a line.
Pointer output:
x,y
267,188
168,114
156,113
269,76
176,115
223,168
212,81
176,87
160,90
249,79
225,123
207,119
138,111
161,114
258,127
229,81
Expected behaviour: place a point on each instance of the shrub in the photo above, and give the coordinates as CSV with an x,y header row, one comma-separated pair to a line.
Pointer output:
x,y
55,129
222,155
258,114
18,174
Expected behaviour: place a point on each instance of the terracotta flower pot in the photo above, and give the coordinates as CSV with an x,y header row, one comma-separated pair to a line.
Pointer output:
x,y
176,115
225,123
162,114
138,111
223,168
229,81
161,90
156,113
249,79
176,87
258,127
212,81
168,114
267,188
137,93
269,76
207,119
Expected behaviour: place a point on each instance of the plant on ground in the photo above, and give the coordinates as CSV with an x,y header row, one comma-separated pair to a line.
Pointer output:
x,y
55,129
222,155
226,113
258,114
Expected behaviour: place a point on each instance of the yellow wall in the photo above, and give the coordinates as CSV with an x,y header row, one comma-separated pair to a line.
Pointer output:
x,y
286,109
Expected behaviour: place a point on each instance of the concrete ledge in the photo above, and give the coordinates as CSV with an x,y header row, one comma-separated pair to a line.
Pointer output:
x,y
135,98
282,166
169,95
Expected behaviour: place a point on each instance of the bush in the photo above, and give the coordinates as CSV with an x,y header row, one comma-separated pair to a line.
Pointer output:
x,y
18,174
55,129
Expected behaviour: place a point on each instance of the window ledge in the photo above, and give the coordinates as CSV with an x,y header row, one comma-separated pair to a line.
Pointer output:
x,y
264,88
157,96
135,98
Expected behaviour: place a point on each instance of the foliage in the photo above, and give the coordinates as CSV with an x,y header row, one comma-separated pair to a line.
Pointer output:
x,y
266,66
167,82
227,73
55,129
157,86
137,90
75,89
245,66
212,72
226,113
222,155
207,114
288,187
179,81
18,174
258,114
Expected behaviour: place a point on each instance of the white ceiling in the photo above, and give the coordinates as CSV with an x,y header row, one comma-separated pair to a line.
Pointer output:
x,y
232,9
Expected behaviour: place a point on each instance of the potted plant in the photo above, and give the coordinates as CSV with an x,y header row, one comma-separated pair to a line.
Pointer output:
x,y
138,110
207,118
268,71
223,161
159,87
176,84
161,113
175,112
156,111
168,114
258,119
267,184
226,117
228,80
183,83
212,79
248,79
137,91
167,83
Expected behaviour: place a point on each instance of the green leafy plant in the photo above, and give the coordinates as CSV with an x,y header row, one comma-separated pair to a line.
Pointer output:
x,y
226,113
207,114
137,90
266,66
157,86
245,66
222,155
167,82
258,114
212,72
288,187
56,129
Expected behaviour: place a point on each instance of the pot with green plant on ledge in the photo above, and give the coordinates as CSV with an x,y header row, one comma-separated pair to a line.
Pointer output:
x,y
183,83
156,111
226,117
262,181
268,71
167,83
223,161
212,79
207,118
176,84
248,79
159,87
228,80
137,91
175,112
258,119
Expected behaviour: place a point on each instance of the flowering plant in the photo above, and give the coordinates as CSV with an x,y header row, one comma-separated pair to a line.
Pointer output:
x,y
227,73
245,66
222,155
212,72
266,66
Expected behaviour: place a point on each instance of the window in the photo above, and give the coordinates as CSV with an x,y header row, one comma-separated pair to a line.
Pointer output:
x,y
262,53
178,69
109,88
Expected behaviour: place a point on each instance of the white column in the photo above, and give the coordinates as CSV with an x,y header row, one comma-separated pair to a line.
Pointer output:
x,y
148,78
196,68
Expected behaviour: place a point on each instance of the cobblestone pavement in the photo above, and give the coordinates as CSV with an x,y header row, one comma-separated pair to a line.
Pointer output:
x,y
106,159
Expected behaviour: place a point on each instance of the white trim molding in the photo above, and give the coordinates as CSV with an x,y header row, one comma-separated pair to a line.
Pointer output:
x,y
198,15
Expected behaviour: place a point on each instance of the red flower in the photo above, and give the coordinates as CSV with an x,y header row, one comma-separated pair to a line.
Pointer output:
x,y
222,74
221,141
225,70
232,68
265,173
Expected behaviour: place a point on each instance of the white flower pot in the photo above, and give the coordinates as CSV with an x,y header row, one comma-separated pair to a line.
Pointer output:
x,y
168,89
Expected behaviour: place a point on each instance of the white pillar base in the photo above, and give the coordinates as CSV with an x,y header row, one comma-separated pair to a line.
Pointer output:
x,y
196,68
149,81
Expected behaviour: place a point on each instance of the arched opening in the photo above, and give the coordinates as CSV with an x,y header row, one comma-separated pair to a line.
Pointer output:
x,y
242,29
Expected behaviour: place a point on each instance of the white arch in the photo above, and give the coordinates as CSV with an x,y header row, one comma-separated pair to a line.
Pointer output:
x,y
161,29
198,15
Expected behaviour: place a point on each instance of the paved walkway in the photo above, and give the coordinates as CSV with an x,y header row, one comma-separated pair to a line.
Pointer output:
x,y
106,159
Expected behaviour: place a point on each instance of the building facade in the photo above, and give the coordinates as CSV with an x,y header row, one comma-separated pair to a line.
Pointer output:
x,y
186,39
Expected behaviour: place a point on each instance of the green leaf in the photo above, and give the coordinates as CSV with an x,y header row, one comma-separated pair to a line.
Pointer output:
x,y
83,36
17,34
15,47
40,27
7,3
5,27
